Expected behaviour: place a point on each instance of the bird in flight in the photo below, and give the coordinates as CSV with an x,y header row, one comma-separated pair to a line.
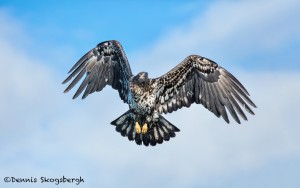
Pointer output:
x,y
195,80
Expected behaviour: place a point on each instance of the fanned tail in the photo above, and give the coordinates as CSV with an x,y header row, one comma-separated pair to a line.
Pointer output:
x,y
159,131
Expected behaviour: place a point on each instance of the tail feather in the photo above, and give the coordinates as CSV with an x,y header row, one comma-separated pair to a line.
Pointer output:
x,y
159,131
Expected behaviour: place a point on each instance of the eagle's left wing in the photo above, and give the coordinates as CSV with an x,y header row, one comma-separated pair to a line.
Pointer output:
x,y
200,80
106,64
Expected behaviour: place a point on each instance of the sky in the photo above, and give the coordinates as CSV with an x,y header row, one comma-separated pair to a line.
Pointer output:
x,y
44,133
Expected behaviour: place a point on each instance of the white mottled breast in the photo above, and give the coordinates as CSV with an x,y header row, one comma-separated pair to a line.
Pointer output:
x,y
143,100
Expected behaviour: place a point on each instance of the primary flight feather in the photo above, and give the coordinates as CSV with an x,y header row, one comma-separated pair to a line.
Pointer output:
x,y
195,80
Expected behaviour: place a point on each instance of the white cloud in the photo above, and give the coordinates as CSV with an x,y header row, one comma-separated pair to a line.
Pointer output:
x,y
229,31
47,133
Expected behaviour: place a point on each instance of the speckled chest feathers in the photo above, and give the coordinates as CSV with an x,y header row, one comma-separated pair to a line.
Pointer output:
x,y
143,94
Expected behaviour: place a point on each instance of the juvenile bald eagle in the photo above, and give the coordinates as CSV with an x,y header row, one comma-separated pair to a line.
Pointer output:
x,y
195,80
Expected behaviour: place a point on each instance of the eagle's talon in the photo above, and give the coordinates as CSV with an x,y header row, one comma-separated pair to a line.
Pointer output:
x,y
137,128
144,128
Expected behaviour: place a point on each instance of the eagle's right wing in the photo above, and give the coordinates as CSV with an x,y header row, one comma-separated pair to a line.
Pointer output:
x,y
202,81
105,64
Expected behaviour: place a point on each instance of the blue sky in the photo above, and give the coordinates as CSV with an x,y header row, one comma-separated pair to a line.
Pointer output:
x,y
45,133
71,23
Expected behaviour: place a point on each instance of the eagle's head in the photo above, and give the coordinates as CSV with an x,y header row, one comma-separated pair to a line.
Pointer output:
x,y
141,79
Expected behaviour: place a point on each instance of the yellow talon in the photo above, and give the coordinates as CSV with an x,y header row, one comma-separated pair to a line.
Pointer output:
x,y
137,128
144,128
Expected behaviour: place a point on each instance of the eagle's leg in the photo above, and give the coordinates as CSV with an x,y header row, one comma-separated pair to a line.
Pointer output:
x,y
137,128
146,124
145,128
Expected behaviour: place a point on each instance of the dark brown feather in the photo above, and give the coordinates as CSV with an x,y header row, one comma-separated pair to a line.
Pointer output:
x,y
200,80
106,64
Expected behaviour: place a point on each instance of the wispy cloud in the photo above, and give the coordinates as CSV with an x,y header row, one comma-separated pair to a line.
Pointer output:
x,y
241,33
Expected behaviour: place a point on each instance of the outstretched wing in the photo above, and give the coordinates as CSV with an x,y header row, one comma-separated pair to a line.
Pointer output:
x,y
200,80
105,64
